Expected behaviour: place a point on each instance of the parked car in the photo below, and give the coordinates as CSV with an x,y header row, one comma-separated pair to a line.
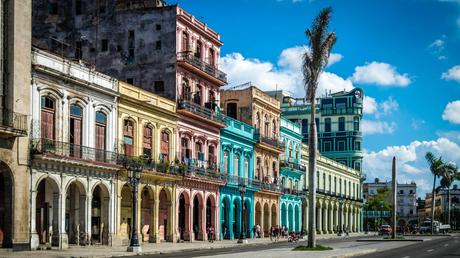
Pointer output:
x,y
385,230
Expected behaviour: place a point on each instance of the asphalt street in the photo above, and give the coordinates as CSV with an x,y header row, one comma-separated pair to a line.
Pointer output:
x,y
438,247
242,248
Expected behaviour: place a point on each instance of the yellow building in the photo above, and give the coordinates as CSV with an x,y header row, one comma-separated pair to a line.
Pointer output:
x,y
147,129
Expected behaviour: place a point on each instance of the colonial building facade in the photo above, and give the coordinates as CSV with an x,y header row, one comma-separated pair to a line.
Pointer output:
x,y
255,107
237,167
73,156
15,43
292,176
338,200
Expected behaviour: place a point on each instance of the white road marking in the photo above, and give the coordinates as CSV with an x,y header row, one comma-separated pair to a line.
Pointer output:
x,y
430,250
446,245
406,257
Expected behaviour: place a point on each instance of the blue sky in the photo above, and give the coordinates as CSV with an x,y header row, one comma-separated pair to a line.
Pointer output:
x,y
404,54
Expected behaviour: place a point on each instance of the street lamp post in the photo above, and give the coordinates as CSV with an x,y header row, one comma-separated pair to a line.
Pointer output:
x,y
341,201
242,190
134,175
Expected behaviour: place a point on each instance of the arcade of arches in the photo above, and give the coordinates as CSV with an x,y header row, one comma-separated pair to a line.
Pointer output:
x,y
231,216
6,206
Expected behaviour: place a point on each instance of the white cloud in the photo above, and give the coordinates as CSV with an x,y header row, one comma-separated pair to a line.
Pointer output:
x,y
452,112
452,74
437,47
286,74
380,74
369,105
390,105
377,127
410,160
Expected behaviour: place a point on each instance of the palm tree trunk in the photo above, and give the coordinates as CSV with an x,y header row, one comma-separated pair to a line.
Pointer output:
x,y
448,205
432,204
312,142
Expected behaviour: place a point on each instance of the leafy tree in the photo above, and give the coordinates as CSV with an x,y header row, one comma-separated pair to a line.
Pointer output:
x,y
314,61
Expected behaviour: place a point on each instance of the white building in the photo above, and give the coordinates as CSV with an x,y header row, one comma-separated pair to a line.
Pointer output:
x,y
73,160
406,198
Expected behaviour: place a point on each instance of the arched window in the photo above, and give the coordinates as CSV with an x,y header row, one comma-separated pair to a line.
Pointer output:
x,y
48,113
199,151
290,184
232,110
212,62
147,141
283,182
75,130
101,124
211,157
275,172
164,146
356,123
335,184
340,185
198,49
345,187
128,137
296,185
259,170
267,126
274,133
225,162
257,124
327,125
198,94
236,165
185,42
186,90
290,152
330,183
324,181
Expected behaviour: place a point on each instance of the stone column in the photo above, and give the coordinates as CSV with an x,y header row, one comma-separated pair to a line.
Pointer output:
x,y
262,222
34,240
105,217
155,225
203,235
172,215
87,226
230,219
330,219
63,238
319,222
336,218
325,221
82,218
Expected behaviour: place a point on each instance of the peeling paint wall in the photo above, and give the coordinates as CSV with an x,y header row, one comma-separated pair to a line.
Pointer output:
x,y
131,40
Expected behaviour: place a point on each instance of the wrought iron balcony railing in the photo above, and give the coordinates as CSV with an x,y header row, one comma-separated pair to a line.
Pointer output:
x,y
268,140
201,111
13,121
237,180
52,148
291,164
190,58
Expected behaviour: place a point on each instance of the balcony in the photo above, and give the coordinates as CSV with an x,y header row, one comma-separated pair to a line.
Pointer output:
x,y
201,67
71,152
237,180
272,142
287,190
187,107
292,164
12,124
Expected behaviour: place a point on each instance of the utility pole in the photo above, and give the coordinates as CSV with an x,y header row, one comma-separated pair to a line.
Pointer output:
x,y
395,185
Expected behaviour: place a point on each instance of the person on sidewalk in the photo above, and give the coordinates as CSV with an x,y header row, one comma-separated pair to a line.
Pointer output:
x,y
211,235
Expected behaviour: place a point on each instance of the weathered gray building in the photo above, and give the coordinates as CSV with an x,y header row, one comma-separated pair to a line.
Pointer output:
x,y
137,41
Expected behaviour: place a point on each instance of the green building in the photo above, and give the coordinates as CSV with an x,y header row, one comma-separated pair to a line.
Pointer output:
x,y
338,121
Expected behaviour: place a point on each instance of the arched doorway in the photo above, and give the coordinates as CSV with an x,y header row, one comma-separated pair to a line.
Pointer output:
x,y
258,217
210,212
100,207
283,215
274,215
266,220
163,216
6,206
247,218
297,218
197,217
126,211
184,206
146,214
236,217
225,222
290,218
75,203
47,218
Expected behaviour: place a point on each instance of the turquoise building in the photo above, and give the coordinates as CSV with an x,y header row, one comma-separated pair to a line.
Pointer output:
x,y
291,173
237,165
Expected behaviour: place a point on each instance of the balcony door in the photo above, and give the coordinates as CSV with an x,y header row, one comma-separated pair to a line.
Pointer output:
x,y
75,130
101,124
48,112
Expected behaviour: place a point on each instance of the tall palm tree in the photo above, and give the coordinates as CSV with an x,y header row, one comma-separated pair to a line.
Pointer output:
x,y
450,173
437,169
314,61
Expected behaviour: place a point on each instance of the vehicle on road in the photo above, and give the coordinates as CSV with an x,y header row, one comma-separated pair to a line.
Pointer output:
x,y
385,230
438,227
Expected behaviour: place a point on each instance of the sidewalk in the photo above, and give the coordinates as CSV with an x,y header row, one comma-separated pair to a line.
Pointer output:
x,y
149,248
